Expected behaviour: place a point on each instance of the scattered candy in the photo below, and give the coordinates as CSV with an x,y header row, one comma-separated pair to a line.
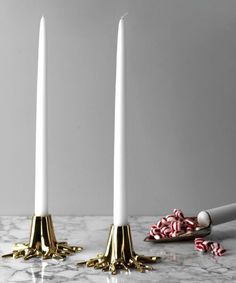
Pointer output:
x,y
175,224
178,214
209,246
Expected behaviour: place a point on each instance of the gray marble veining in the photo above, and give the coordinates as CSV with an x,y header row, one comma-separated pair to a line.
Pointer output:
x,y
180,262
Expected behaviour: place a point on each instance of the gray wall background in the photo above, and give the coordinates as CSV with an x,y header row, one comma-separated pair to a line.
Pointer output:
x,y
181,104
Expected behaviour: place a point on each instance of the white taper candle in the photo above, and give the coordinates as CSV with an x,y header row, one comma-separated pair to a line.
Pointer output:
x,y
120,199
41,193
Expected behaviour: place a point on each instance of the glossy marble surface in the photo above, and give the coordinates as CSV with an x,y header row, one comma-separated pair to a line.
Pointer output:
x,y
180,262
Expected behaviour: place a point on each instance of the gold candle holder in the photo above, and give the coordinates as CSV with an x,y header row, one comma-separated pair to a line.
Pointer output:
x,y
120,253
42,242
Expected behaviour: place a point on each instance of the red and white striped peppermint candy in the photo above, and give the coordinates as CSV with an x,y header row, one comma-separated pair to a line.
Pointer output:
x,y
170,218
164,221
214,247
218,251
154,230
151,230
208,244
176,226
200,247
198,240
160,224
165,231
199,244
178,213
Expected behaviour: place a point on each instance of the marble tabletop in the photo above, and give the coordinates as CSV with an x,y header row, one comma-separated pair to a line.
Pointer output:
x,y
180,262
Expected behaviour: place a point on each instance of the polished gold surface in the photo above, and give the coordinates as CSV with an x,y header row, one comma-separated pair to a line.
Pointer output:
x,y
120,253
42,242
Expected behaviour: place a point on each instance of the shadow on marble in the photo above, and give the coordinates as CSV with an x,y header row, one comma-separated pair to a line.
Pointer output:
x,y
224,234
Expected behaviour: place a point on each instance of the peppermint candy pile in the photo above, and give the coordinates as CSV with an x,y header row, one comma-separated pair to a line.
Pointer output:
x,y
176,224
209,246
173,225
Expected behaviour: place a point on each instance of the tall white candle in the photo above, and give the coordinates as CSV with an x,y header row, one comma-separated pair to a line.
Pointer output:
x,y
41,201
120,202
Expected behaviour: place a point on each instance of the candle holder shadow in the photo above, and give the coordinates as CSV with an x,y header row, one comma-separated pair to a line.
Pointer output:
x,y
42,242
120,253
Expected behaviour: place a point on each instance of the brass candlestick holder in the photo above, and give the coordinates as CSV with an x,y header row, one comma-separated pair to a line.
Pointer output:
x,y
42,242
120,253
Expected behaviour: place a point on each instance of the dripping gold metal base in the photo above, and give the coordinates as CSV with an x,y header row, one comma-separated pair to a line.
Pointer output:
x,y
120,253
42,242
